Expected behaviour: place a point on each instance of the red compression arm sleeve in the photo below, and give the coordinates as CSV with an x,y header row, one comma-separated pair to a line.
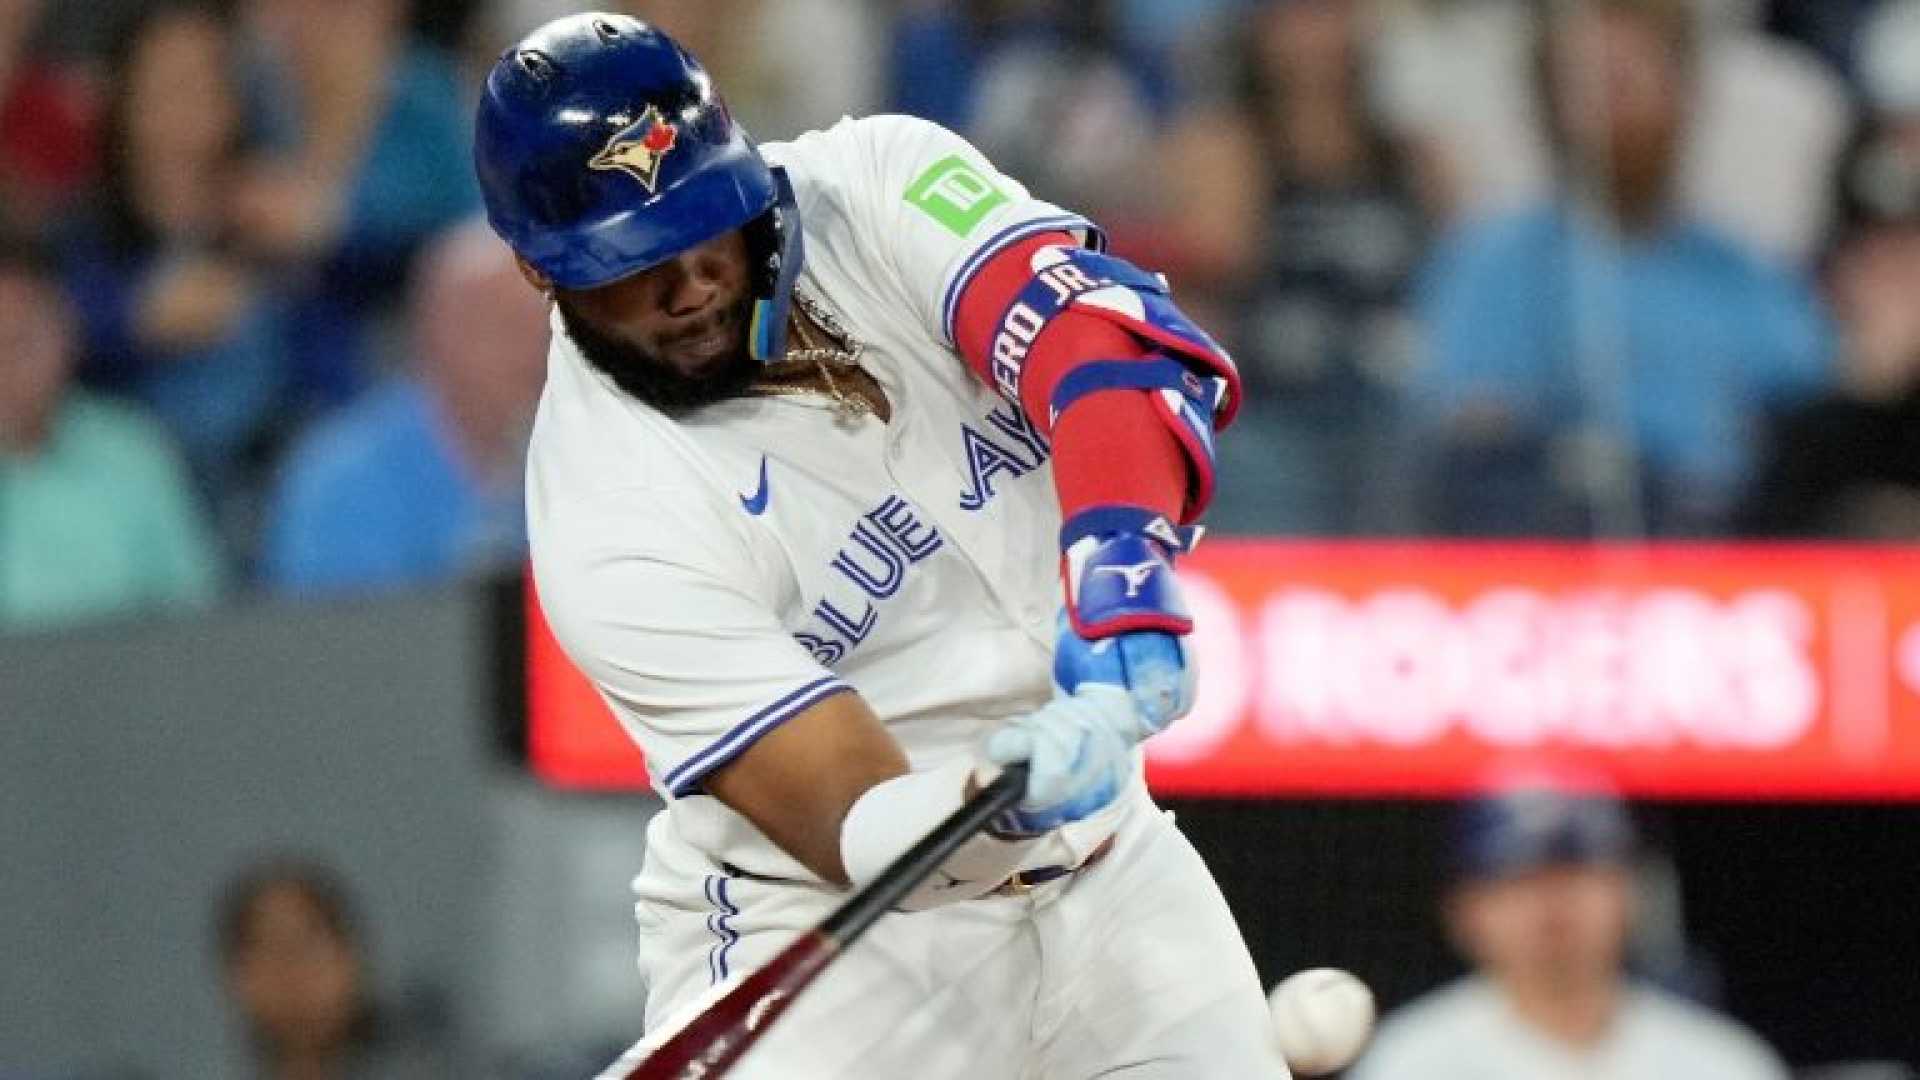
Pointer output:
x,y
1111,448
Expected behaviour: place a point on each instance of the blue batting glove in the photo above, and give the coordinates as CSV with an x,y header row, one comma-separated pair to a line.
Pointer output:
x,y
1124,623
1079,752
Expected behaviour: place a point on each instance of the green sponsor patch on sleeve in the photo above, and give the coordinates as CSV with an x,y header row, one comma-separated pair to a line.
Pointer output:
x,y
955,194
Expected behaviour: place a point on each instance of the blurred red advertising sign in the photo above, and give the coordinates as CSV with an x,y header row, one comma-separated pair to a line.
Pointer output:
x,y
1412,668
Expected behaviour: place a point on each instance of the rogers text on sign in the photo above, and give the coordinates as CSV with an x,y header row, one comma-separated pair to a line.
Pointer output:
x,y
1518,668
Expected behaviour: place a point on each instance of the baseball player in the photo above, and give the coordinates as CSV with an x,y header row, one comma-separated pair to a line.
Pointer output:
x,y
859,473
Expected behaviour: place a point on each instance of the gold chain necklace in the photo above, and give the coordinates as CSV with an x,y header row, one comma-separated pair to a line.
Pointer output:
x,y
823,357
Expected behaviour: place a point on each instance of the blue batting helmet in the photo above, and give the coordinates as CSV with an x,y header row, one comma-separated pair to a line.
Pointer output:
x,y
603,150
1534,827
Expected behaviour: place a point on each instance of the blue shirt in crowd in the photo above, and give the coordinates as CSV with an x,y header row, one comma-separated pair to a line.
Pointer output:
x,y
215,399
376,497
1676,341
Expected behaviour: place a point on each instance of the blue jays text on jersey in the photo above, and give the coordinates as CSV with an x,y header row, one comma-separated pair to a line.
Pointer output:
x,y
890,539
885,544
987,456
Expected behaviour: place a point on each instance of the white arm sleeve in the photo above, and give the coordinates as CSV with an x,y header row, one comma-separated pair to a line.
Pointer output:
x,y
896,814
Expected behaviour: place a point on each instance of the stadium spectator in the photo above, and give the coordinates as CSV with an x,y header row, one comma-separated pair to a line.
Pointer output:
x,y
1889,45
96,516
1848,464
778,90
1052,91
47,121
1603,363
420,481
295,968
1541,903
1829,27
933,51
1302,213
1767,120
1060,101
173,312
369,138
1175,26
1770,124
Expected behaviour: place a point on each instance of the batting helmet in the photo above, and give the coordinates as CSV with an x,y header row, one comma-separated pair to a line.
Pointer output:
x,y
603,150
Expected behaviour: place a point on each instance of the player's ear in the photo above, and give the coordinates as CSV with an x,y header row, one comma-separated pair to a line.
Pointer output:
x,y
534,277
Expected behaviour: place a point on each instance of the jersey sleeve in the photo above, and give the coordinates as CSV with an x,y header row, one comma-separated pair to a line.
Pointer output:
x,y
680,637
935,211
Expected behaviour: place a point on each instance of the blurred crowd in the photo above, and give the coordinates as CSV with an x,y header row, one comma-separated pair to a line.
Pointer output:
x,y
1616,268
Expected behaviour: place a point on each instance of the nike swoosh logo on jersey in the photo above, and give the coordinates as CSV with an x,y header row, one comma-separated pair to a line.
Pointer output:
x,y
756,503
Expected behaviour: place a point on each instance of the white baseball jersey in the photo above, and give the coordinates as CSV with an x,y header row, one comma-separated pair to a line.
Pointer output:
x,y
718,574
1466,1031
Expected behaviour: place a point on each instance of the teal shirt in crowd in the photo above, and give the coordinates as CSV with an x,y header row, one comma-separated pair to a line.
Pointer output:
x,y
101,521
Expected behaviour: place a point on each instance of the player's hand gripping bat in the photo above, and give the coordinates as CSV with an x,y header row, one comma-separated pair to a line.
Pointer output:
x,y
713,1038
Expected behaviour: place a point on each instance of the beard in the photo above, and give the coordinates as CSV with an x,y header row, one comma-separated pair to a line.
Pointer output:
x,y
654,380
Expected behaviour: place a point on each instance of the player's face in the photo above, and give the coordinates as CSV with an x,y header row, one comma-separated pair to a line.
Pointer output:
x,y
1560,927
675,335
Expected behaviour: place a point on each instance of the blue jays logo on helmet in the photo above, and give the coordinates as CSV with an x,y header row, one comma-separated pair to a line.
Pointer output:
x,y
603,150
639,148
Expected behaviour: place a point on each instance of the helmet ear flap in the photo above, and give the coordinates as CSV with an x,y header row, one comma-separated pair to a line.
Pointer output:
x,y
763,251
776,250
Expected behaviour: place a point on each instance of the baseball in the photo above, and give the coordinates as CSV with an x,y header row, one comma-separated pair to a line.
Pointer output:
x,y
1322,1018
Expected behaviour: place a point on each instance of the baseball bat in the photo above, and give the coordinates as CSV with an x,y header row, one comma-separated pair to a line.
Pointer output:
x,y
712,1039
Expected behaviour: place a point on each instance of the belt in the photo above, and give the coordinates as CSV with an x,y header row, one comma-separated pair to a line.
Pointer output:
x,y
1026,881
